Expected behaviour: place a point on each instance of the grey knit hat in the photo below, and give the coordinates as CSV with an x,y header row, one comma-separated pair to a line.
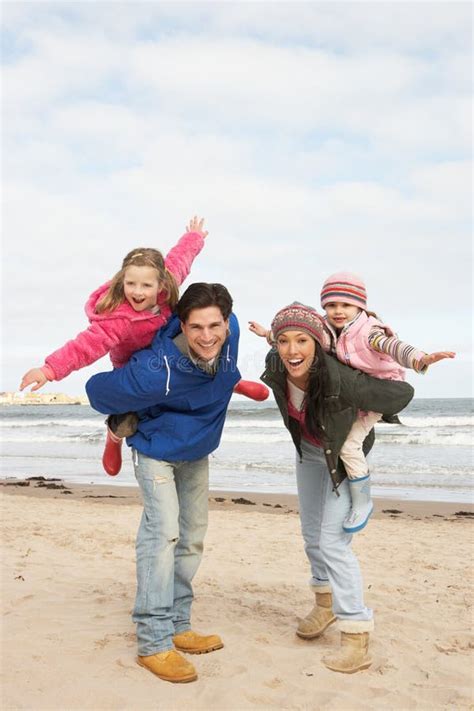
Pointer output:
x,y
299,317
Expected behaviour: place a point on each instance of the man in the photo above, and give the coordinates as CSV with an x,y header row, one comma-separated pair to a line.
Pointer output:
x,y
180,388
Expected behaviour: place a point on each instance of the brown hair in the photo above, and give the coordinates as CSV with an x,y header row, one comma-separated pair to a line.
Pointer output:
x,y
140,257
201,295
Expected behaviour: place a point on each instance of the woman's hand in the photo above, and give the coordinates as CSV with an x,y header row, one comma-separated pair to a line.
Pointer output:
x,y
196,225
430,358
258,329
35,375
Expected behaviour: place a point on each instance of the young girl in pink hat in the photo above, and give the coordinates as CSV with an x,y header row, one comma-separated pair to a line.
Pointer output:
x,y
362,341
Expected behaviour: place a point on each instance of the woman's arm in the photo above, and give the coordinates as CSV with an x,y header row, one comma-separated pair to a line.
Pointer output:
x,y
376,395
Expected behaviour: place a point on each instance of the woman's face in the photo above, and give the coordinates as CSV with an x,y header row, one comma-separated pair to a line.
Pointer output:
x,y
297,351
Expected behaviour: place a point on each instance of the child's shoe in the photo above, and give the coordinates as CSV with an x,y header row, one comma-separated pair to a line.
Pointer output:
x,y
252,390
362,505
112,457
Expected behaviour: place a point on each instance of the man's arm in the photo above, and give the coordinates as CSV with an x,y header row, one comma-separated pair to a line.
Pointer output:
x,y
139,384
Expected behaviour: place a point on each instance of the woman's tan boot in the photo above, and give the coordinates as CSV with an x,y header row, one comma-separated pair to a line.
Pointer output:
x,y
320,617
353,655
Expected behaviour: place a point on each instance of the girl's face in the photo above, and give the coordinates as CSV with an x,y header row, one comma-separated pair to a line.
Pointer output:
x,y
339,313
297,351
141,287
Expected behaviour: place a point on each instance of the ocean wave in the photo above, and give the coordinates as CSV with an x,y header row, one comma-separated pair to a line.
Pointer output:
x,y
286,467
16,422
454,439
88,437
410,421
253,423
251,437
451,439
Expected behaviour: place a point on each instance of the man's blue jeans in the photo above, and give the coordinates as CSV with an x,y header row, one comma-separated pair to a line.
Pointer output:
x,y
169,547
327,545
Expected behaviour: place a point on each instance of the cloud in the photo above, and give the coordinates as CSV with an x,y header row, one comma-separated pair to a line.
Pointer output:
x,y
313,137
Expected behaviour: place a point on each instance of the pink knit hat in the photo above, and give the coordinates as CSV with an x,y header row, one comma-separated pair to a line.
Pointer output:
x,y
298,317
346,287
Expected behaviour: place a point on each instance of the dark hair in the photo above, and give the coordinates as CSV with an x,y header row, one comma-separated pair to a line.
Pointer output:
x,y
315,392
200,296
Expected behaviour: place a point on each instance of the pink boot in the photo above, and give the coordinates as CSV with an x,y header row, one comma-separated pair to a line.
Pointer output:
x,y
112,457
255,391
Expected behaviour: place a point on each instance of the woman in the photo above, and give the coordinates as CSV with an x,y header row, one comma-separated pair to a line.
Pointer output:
x,y
319,399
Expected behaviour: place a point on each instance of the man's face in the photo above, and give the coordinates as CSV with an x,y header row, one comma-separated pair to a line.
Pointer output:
x,y
205,331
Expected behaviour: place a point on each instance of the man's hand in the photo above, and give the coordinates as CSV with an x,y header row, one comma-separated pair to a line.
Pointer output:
x,y
430,358
35,375
258,329
196,225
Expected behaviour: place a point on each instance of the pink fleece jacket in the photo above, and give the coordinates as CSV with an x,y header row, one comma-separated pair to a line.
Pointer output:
x,y
124,330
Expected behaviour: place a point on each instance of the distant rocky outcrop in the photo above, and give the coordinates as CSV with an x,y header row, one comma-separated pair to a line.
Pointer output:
x,y
42,399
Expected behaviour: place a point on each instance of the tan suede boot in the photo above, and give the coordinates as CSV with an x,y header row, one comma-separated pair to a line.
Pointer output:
x,y
194,643
353,655
320,617
169,666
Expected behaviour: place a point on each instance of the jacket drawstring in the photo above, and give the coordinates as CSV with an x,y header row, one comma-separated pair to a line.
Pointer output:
x,y
168,377
228,356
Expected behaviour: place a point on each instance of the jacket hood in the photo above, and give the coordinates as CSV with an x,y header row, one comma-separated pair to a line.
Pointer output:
x,y
122,311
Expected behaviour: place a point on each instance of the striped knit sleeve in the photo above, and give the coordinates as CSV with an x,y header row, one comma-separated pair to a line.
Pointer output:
x,y
405,355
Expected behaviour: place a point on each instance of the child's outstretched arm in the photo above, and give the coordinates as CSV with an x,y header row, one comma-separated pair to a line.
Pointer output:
x,y
430,358
87,347
261,331
35,375
383,341
180,258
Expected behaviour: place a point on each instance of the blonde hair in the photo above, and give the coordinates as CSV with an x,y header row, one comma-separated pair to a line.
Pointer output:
x,y
140,257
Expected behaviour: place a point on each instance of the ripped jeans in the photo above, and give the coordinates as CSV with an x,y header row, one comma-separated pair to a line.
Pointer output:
x,y
169,547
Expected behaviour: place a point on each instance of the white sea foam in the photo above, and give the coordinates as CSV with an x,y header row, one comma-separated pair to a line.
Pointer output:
x,y
251,437
84,437
449,439
410,421
244,423
464,439
15,422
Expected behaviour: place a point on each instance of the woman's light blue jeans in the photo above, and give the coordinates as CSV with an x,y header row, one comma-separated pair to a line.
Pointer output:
x,y
169,547
327,546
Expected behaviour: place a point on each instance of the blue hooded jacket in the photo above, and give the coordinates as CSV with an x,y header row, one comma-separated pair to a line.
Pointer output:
x,y
181,408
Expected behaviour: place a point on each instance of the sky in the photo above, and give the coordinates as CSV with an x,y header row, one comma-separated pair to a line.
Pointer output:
x,y
313,137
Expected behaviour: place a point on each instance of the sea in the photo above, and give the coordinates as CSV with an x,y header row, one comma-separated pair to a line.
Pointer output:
x,y
429,456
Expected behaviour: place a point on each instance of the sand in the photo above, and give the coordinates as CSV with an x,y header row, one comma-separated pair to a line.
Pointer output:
x,y
68,586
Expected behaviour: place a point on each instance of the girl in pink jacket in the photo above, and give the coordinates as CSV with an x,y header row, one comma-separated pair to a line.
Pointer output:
x,y
124,314
363,342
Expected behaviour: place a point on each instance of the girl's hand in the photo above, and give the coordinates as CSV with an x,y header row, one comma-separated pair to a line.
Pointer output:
x,y
258,329
431,358
196,225
35,375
